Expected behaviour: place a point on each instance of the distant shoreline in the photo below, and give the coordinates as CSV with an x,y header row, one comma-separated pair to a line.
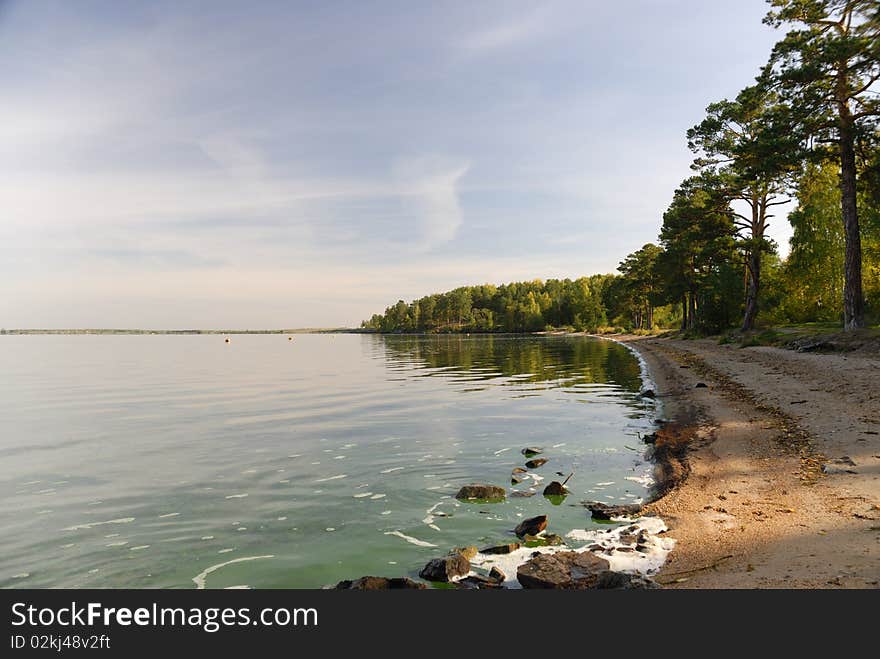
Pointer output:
x,y
308,330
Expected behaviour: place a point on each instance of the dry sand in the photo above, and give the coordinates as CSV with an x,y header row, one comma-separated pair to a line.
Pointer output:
x,y
754,507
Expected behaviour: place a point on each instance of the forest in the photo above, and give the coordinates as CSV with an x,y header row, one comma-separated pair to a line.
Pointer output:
x,y
803,139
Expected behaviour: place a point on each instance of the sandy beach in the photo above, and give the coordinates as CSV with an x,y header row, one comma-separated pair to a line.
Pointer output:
x,y
772,467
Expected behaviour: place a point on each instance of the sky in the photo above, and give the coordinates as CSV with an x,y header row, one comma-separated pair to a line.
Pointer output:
x,y
307,164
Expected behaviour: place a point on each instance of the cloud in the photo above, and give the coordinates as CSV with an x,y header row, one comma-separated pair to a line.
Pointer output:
x,y
430,184
511,32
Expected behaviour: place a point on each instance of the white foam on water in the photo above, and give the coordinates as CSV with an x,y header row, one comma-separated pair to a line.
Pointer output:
x,y
112,535
79,527
241,587
207,537
558,445
249,471
500,451
22,575
295,455
645,563
385,512
377,496
645,480
349,445
32,483
429,519
237,496
331,478
281,519
167,515
330,529
410,539
117,544
362,495
200,579
339,457
392,469
605,484
138,548
241,528
226,551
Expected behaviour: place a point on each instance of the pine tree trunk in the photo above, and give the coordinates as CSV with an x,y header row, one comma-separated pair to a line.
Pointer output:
x,y
684,312
853,301
754,285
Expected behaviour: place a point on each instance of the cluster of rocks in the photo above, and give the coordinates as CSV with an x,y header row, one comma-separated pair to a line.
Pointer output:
x,y
558,570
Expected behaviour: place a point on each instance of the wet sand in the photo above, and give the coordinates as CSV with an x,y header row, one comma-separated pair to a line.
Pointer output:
x,y
772,468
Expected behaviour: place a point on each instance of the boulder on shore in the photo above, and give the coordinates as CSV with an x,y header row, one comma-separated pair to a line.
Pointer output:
x,y
567,570
531,526
446,568
479,491
380,583
537,462
604,511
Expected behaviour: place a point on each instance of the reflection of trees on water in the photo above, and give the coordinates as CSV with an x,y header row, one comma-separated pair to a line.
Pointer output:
x,y
562,361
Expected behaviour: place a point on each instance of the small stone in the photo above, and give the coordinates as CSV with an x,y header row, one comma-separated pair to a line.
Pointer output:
x,y
604,511
649,393
537,462
501,549
482,492
477,582
531,450
497,575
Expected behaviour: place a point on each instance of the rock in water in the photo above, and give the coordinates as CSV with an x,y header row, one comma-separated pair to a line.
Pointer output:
x,y
567,570
531,526
555,489
380,583
531,450
537,462
516,476
478,491
446,568
501,549
605,512
649,393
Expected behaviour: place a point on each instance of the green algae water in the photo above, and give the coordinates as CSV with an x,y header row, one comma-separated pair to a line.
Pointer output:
x,y
183,461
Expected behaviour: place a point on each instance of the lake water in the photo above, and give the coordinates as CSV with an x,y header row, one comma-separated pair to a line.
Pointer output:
x,y
184,461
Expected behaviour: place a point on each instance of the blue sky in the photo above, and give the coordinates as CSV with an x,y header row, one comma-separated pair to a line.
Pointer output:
x,y
214,164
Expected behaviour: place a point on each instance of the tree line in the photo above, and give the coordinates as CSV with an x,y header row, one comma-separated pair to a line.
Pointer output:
x,y
804,134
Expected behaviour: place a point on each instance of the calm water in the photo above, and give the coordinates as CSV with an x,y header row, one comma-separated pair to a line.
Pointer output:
x,y
144,461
